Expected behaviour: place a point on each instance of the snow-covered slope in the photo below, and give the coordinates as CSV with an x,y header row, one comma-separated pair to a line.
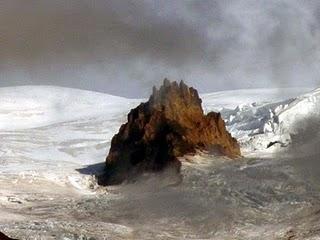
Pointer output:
x,y
49,132
36,106
233,98
253,116
45,127
300,110
53,138
265,124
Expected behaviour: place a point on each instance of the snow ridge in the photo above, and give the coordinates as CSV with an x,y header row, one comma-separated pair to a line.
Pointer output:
x,y
35,106
267,126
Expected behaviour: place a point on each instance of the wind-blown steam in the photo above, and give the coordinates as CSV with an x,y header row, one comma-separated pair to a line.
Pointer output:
x,y
304,150
124,47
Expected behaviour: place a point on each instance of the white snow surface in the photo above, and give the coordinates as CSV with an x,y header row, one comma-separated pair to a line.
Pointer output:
x,y
50,131
233,98
53,137
262,116
35,106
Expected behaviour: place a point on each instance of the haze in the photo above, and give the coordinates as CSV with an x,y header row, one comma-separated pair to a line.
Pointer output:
x,y
125,47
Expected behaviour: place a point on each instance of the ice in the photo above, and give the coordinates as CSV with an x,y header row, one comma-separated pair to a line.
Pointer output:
x,y
54,139
269,119
239,98
35,106
51,131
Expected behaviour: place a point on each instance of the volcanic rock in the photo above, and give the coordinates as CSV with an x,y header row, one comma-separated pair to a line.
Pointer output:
x,y
4,237
171,124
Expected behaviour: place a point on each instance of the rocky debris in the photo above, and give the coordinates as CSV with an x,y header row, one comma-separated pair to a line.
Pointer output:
x,y
171,124
270,144
4,237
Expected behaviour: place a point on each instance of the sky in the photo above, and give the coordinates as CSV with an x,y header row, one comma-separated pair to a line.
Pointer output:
x,y
125,47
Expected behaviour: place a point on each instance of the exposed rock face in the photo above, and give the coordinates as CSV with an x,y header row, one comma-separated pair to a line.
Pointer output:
x,y
4,237
171,124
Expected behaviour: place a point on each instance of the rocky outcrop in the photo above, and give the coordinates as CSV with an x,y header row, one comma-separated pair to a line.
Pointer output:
x,y
4,237
170,125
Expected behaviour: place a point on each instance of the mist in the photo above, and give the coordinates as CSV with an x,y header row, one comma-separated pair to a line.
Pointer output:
x,y
125,47
304,150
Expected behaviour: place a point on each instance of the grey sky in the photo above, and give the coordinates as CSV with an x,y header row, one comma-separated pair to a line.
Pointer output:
x,y
124,47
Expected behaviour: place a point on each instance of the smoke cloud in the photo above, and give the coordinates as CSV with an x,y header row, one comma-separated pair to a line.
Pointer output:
x,y
304,151
125,47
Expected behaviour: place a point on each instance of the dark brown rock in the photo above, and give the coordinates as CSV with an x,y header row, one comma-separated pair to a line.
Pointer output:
x,y
4,237
170,125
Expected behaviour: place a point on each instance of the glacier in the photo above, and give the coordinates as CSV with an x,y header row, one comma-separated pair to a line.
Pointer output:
x,y
55,139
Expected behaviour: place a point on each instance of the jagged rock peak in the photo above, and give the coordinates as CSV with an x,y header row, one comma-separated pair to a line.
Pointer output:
x,y
170,125
170,91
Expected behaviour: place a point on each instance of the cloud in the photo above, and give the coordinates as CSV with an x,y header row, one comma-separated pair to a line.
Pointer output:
x,y
124,47
304,152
